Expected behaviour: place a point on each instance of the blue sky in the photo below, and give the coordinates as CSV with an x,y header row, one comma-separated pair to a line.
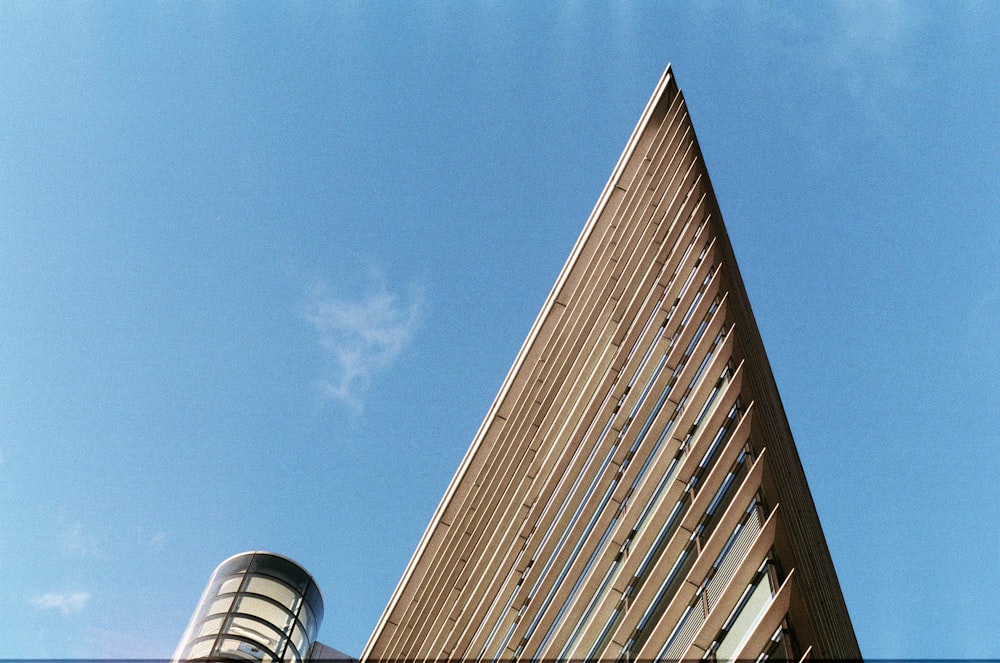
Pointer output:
x,y
263,268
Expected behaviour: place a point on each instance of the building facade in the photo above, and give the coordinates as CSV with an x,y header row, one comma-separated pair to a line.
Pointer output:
x,y
634,492
257,606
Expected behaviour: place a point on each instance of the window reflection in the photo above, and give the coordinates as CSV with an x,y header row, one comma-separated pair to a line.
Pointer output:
x,y
263,609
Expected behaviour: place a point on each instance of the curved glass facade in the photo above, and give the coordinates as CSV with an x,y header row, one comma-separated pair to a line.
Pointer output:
x,y
258,607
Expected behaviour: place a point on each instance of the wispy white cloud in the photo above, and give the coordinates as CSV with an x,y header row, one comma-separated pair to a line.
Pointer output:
x,y
866,44
158,540
77,541
361,336
866,49
67,602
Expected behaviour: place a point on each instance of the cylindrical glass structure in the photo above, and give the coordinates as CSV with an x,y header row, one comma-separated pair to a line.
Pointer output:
x,y
257,607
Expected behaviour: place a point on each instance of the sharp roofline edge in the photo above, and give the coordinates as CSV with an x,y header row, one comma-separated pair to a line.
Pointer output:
x,y
661,88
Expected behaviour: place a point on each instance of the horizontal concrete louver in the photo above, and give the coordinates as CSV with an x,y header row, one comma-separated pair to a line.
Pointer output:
x,y
623,488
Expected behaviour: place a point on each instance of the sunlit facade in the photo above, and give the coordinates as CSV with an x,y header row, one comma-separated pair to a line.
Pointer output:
x,y
634,492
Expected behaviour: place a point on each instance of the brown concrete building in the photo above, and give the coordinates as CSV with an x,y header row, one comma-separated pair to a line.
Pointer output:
x,y
634,491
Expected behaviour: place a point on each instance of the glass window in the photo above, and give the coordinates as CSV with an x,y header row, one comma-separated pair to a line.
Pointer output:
x,y
269,612
230,585
306,616
245,650
291,656
281,593
256,631
210,626
754,600
220,606
199,649
298,637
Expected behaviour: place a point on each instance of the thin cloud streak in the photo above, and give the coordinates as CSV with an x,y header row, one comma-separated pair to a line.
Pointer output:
x,y
66,603
361,337
76,541
159,540
866,44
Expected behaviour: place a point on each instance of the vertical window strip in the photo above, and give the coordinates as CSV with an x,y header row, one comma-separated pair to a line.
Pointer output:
x,y
690,278
507,636
639,438
507,606
697,299
705,362
658,605
595,601
722,640
668,588
669,426
566,567
566,502
638,580
576,484
732,552
675,633
684,257
701,330
663,397
665,433
723,432
576,549
649,383
662,538
603,435
724,495
605,636
598,597
727,375
652,345
684,289
657,407
569,526
552,525
661,486
607,532
665,480
592,523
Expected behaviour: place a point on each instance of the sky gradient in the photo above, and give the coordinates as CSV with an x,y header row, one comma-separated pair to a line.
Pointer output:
x,y
263,268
